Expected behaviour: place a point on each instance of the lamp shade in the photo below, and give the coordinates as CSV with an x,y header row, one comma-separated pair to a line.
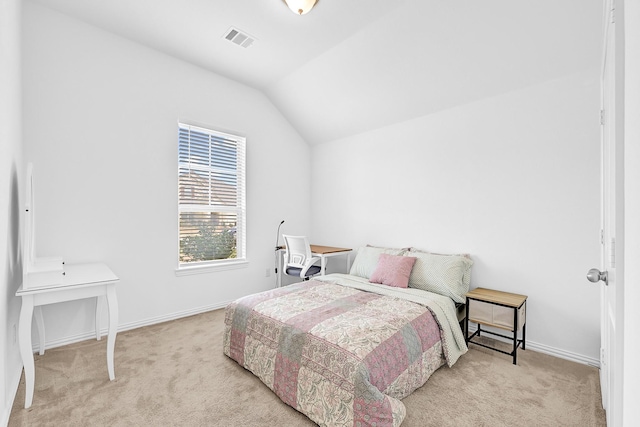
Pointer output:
x,y
300,7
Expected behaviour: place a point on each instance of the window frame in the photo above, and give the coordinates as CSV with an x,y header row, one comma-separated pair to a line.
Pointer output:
x,y
240,208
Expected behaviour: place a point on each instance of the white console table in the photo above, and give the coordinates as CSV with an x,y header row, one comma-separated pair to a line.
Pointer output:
x,y
79,281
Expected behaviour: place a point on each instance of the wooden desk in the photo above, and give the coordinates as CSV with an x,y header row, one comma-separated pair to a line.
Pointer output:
x,y
80,281
323,252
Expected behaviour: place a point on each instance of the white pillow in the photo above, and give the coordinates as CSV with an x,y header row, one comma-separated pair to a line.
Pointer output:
x,y
447,275
366,260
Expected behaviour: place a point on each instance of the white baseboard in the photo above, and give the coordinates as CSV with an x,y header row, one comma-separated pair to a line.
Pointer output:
x,y
563,354
13,390
128,326
551,351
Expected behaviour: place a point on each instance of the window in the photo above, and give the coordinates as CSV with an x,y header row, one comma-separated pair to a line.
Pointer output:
x,y
211,197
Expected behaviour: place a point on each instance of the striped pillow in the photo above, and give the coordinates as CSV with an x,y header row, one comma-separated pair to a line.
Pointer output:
x,y
447,275
466,279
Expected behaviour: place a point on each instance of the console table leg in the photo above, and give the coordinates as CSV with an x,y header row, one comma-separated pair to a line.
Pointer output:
x,y
26,351
112,301
37,311
98,337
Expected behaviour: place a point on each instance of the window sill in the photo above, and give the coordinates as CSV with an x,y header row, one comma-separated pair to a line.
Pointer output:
x,y
210,268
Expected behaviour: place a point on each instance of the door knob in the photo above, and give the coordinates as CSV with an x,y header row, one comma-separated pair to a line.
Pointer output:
x,y
594,275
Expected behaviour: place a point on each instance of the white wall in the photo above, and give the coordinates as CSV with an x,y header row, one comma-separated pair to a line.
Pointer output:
x,y
513,180
10,177
100,116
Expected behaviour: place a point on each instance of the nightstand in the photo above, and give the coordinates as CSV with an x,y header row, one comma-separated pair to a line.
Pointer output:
x,y
498,309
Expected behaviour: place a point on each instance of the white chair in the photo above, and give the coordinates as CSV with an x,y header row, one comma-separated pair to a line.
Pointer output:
x,y
297,257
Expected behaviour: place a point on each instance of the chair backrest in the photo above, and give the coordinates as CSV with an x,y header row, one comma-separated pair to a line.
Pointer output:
x,y
298,250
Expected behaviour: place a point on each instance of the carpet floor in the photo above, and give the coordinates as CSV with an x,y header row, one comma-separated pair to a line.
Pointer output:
x,y
175,373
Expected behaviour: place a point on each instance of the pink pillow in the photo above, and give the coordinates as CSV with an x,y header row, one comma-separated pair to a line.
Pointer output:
x,y
393,270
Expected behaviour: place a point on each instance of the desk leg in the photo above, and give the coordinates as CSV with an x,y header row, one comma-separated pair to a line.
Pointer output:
x,y
26,351
323,264
37,312
279,268
112,301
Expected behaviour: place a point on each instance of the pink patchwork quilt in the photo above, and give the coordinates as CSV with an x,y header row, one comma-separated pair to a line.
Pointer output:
x,y
339,355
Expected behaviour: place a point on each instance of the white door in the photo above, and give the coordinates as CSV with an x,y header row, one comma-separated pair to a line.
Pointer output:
x,y
611,307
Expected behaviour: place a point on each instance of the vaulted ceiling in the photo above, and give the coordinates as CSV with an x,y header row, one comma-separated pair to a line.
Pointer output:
x,y
350,66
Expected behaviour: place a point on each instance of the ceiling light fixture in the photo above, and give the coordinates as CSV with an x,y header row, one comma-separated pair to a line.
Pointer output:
x,y
300,7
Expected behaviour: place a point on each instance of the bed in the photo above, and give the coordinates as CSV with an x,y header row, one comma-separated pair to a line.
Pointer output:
x,y
344,351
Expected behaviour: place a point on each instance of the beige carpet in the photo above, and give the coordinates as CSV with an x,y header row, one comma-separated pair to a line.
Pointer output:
x,y
175,374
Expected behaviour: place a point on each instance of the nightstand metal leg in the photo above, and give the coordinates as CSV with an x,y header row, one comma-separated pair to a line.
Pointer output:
x,y
524,328
515,335
466,324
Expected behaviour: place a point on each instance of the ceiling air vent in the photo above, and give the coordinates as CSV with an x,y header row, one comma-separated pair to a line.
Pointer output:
x,y
239,37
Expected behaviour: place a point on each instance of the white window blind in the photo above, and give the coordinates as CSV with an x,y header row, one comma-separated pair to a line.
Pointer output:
x,y
211,197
